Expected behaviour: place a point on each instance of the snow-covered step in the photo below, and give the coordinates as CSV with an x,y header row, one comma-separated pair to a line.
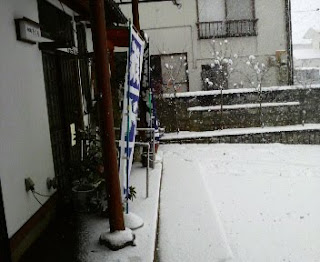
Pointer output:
x,y
240,106
190,226
292,134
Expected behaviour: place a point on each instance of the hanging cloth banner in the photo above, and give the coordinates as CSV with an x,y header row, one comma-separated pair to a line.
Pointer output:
x,y
130,108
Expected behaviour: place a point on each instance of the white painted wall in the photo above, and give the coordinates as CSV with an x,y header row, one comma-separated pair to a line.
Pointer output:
x,y
174,30
316,42
25,139
307,63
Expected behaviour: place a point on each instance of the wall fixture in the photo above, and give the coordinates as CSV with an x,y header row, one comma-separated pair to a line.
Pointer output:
x,y
27,30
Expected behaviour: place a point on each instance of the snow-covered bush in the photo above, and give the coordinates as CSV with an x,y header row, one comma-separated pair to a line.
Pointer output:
x,y
217,74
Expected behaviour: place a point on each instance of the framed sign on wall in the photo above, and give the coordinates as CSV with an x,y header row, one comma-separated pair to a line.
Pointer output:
x,y
27,30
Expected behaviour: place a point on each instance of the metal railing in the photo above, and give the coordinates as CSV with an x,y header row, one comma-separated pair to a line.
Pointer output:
x,y
151,146
229,28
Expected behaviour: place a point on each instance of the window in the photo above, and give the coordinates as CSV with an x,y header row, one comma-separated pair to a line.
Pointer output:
x,y
59,27
169,73
239,9
226,18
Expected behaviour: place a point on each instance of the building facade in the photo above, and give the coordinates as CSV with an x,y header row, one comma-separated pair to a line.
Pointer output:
x,y
184,32
45,96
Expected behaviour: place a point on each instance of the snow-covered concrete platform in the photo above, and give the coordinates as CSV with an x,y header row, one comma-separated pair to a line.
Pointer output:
x,y
189,226
266,197
146,208
291,134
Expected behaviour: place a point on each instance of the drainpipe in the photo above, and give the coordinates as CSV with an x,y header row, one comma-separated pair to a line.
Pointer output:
x,y
99,38
289,42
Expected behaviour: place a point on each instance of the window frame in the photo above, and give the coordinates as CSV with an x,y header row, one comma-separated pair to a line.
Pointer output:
x,y
226,24
163,85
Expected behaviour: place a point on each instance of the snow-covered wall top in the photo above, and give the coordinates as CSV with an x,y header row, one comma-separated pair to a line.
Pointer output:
x,y
238,91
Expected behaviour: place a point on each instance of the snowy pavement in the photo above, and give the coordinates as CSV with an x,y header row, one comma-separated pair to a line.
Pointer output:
x,y
261,201
145,208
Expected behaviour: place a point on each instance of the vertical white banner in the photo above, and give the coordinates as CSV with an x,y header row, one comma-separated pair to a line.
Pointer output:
x,y
130,107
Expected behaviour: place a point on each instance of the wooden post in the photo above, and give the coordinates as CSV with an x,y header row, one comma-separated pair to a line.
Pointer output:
x,y
99,37
135,14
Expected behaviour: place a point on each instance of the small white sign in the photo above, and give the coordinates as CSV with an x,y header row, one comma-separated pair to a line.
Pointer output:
x,y
73,134
28,30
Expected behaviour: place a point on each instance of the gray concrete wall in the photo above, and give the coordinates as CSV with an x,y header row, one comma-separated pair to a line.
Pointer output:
x,y
174,30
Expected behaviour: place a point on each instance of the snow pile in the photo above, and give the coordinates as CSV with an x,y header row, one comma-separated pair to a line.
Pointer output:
x,y
132,221
118,239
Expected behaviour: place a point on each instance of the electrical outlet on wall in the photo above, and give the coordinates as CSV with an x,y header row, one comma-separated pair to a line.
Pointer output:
x,y
29,184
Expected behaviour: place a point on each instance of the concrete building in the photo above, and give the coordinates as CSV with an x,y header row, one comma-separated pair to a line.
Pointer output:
x,y
306,55
185,31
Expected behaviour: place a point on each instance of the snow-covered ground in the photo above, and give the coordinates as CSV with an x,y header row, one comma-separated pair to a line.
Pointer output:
x,y
260,202
146,208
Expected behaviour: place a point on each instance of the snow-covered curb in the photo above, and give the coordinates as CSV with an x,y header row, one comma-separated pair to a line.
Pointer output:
x,y
238,91
240,106
238,131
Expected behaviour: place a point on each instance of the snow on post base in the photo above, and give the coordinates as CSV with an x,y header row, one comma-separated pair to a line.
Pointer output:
x,y
132,221
118,239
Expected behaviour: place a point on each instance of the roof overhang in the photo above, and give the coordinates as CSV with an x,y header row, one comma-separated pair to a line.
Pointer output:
x,y
112,11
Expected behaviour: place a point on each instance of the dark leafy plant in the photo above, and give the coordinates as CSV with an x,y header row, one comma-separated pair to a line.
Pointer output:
x,y
132,193
89,169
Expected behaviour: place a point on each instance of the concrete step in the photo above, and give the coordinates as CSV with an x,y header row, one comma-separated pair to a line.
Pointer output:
x,y
295,134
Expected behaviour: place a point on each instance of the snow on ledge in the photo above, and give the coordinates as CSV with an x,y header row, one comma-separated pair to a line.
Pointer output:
x,y
239,91
238,131
240,106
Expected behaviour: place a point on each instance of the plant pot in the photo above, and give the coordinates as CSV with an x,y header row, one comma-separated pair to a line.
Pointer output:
x,y
144,160
81,196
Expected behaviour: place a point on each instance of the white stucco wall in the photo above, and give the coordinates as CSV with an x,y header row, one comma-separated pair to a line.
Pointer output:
x,y
24,129
174,30
307,63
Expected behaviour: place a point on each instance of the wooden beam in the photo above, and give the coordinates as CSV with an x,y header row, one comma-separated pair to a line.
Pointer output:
x,y
118,36
79,6
135,14
99,37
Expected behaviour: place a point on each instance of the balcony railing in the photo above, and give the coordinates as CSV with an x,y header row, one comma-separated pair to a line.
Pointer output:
x,y
230,28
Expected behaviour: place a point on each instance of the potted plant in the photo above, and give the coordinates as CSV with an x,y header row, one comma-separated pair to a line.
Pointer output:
x,y
87,171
